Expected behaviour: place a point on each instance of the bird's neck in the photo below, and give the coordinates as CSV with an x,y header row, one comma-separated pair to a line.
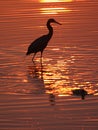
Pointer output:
x,y
50,29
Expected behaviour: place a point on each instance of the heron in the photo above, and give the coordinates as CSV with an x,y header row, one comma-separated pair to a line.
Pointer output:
x,y
40,43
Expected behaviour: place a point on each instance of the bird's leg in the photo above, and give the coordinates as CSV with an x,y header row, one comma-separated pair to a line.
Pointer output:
x,y
41,70
33,57
41,56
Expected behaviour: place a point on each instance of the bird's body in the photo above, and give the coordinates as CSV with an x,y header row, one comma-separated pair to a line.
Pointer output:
x,y
40,43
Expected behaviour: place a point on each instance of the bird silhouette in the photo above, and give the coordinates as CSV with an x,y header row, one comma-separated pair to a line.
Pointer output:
x,y
40,43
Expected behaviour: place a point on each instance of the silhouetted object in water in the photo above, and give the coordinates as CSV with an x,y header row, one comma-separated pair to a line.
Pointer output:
x,y
40,44
80,92
35,77
52,98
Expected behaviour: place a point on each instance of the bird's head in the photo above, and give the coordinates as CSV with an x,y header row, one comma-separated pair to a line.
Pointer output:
x,y
53,21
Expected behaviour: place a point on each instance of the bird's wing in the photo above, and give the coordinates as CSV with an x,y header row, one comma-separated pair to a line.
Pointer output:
x,y
38,45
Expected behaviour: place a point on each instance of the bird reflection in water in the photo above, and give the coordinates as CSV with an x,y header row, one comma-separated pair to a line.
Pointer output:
x,y
36,70
35,76
52,99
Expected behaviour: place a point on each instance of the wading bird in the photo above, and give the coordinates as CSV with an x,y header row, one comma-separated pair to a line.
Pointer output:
x,y
40,43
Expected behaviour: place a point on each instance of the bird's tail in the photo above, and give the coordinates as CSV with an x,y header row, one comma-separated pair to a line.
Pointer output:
x,y
27,53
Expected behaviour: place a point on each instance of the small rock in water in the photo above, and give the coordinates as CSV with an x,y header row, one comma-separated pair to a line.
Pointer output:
x,y
80,92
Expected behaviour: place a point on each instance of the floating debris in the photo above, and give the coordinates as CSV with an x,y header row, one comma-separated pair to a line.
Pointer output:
x,y
80,92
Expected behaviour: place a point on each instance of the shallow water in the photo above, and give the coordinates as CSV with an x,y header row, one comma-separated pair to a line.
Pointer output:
x,y
70,60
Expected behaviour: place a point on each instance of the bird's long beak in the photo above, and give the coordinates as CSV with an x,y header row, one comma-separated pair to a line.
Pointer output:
x,y
58,23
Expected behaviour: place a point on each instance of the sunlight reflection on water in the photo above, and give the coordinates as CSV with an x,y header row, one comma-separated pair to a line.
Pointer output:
x,y
59,78
54,10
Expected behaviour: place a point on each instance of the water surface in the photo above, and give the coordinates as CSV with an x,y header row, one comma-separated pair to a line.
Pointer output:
x,y
69,62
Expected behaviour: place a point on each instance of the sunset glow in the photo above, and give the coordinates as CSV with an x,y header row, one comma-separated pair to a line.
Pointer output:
x,y
54,10
44,1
